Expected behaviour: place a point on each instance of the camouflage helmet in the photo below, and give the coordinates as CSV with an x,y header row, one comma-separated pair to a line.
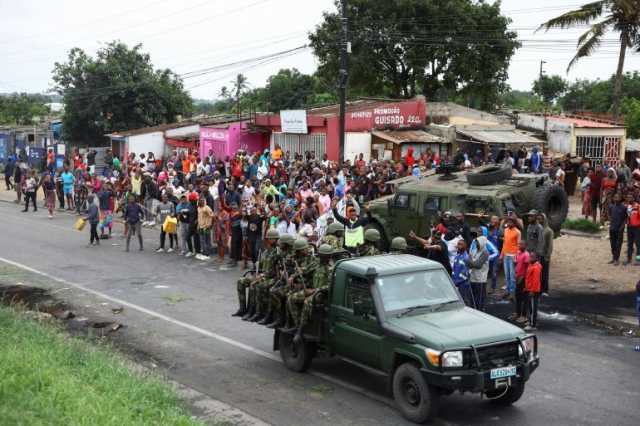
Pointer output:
x,y
325,250
398,244
286,239
300,244
272,234
334,227
372,235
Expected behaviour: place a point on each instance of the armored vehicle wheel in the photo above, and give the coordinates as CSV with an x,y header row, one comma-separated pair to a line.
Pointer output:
x,y
508,396
488,175
553,201
296,356
416,400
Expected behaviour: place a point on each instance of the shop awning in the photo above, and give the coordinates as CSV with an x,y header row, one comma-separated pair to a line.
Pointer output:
x,y
179,143
407,136
497,135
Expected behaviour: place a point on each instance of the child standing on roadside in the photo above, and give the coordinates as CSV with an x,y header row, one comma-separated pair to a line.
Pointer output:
x,y
522,263
532,285
50,194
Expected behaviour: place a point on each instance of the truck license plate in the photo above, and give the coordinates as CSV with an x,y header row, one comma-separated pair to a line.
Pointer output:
x,y
499,373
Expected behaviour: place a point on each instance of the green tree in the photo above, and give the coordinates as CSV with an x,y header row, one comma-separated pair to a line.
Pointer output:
x,y
597,95
549,88
22,108
239,89
621,16
631,111
520,100
401,48
117,90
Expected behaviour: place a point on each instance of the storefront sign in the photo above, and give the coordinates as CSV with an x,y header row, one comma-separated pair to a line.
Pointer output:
x,y
294,121
389,116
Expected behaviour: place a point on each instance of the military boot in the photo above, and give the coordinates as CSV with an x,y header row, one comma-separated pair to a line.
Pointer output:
x,y
276,323
241,310
257,314
249,312
268,318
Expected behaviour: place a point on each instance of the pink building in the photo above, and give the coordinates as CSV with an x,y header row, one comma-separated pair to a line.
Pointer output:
x,y
225,139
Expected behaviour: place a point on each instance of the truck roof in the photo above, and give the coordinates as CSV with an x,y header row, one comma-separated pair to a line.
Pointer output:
x,y
387,264
460,186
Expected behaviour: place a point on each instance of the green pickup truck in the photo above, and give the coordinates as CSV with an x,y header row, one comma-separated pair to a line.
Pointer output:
x,y
401,316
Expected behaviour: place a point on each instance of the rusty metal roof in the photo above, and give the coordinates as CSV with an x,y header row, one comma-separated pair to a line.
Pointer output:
x,y
499,136
407,136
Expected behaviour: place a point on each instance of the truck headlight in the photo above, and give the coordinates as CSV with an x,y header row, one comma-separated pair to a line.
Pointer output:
x,y
452,359
529,347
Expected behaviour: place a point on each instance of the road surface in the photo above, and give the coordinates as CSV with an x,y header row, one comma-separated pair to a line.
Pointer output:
x,y
177,311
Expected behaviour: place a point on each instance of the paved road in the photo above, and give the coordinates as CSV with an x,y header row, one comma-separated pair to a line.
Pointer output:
x,y
179,315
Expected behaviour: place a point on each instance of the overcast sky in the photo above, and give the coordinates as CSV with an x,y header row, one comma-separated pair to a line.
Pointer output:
x,y
191,35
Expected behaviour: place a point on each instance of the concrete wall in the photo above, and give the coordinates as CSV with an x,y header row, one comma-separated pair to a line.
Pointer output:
x,y
530,122
452,113
147,142
560,137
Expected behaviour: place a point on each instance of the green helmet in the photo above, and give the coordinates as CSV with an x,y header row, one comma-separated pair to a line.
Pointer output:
x,y
398,244
300,244
325,250
372,235
334,227
272,234
286,239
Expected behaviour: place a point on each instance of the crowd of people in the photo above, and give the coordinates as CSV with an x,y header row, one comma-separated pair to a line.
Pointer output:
x,y
225,208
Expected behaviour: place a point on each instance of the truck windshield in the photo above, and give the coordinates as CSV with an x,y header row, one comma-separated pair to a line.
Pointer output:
x,y
423,288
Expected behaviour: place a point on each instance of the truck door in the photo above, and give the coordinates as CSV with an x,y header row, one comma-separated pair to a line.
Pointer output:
x,y
404,214
353,334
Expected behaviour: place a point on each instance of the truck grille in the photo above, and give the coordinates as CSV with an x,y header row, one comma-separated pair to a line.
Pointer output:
x,y
494,355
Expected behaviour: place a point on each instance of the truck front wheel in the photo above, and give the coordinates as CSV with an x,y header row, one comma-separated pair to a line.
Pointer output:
x,y
296,356
508,396
416,400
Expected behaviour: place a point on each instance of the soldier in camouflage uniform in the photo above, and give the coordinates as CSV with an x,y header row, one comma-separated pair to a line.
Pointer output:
x,y
319,285
333,236
263,289
398,245
369,248
247,308
299,268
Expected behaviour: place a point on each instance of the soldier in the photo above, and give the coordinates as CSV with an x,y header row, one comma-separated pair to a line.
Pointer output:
x,y
319,285
369,248
333,236
248,308
398,245
299,267
263,289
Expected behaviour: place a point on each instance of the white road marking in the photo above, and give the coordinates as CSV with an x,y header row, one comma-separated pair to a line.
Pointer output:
x,y
198,330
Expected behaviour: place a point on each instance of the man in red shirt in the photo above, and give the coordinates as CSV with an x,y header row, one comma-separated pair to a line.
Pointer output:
x,y
633,229
532,284
594,191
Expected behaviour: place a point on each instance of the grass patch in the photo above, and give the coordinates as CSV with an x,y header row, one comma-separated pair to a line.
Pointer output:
x,y
48,378
583,225
173,299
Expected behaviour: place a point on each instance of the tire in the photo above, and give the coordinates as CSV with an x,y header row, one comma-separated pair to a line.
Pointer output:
x,y
512,395
416,400
553,201
488,175
296,357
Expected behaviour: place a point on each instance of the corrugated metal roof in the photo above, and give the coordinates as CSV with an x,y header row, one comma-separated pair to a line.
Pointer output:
x,y
581,122
500,136
632,145
407,136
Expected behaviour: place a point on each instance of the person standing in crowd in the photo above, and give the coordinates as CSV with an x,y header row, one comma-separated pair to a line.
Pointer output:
x,y
254,234
508,254
30,188
435,248
535,233
586,197
547,251
633,229
18,175
205,221
133,214
460,273
478,264
8,173
185,213
93,217
532,289
165,209
105,198
235,219
353,225
609,184
522,263
68,179
595,188
617,220
50,194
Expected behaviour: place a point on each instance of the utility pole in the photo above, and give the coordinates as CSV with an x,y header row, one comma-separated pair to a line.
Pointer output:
x,y
343,77
541,72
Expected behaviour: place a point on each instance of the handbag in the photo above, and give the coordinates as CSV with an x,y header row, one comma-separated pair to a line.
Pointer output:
x,y
170,225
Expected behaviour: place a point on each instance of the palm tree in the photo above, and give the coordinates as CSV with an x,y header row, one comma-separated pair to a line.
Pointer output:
x,y
240,85
622,16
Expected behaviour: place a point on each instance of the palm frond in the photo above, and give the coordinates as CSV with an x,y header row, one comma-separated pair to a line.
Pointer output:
x,y
584,15
597,29
587,47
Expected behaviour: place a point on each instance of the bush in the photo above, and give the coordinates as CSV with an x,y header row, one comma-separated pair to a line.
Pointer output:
x,y
583,225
